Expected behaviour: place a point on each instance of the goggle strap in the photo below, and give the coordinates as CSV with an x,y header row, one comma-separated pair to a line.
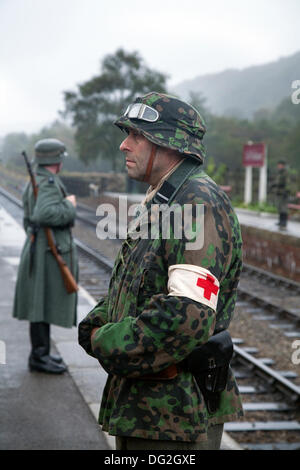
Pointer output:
x,y
150,163
141,111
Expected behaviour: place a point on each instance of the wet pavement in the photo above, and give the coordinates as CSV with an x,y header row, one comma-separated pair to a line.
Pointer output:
x,y
40,411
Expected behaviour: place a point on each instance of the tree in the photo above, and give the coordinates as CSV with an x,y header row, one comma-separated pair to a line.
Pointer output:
x,y
291,146
100,100
12,146
198,100
216,172
57,130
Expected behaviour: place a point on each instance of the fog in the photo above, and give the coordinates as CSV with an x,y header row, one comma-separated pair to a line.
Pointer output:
x,y
50,46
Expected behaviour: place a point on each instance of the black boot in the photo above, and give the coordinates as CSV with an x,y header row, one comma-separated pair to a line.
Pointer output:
x,y
40,359
56,358
44,334
283,221
279,219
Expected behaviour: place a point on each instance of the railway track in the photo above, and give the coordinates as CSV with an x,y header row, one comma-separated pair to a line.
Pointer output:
x,y
271,397
270,403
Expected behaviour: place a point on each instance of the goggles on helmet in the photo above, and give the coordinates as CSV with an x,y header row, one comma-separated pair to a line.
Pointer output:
x,y
141,111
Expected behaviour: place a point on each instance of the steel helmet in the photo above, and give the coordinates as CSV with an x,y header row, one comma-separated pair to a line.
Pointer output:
x,y
49,151
168,122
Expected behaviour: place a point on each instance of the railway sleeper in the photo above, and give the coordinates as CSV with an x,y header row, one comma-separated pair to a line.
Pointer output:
x,y
267,406
248,426
273,446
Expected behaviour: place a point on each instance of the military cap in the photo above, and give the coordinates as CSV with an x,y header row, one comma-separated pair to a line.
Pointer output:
x,y
49,151
166,121
281,162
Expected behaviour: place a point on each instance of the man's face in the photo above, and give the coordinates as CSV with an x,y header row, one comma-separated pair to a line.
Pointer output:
x,y
59,167
137,150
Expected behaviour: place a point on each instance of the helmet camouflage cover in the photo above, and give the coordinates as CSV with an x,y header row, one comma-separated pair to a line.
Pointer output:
x,y
49,151
179,126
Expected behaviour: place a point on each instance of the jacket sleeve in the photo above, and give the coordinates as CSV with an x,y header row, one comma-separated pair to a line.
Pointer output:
x,y
162,335
51,208
170,326
96,318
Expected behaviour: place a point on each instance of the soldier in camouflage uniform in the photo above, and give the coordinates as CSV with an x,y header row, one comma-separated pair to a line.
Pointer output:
x,y
164,298
281,189
40,295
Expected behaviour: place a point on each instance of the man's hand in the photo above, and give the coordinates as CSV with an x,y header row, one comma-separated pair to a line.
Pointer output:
x,y
72,199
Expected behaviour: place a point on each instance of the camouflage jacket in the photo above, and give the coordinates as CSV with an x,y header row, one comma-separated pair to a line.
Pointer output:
x,y
282,183
143,329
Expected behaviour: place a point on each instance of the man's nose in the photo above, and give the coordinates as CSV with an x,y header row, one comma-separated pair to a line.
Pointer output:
x,y
124,145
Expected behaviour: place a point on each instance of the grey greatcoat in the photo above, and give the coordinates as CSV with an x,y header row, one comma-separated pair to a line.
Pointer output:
x,y
40,295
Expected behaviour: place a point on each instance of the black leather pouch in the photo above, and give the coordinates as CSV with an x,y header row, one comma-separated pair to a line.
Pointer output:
x,y
209,364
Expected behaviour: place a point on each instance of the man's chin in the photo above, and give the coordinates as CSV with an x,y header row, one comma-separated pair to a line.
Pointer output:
x,y
134,176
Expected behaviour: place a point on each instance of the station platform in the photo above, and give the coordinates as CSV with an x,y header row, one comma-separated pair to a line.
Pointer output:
x,y
267,221
268,247
41,411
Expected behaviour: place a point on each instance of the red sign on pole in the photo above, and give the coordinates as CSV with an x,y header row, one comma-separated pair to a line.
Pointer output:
x,y
254,155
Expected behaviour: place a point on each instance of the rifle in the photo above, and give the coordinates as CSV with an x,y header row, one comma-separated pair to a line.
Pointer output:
x,y
67,276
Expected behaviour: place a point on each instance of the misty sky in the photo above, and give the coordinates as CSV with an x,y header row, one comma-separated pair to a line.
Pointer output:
x,y
48,46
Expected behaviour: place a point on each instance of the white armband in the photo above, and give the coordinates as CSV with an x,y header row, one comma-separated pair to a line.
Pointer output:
x,y
194,282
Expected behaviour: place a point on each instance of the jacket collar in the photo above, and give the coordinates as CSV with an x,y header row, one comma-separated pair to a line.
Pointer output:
x,y
41,170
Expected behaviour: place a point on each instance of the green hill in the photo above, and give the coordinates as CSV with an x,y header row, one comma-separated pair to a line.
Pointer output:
x,y
240,93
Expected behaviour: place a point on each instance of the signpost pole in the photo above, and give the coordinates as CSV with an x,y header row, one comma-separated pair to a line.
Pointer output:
x,y
255,156
248,185
263,177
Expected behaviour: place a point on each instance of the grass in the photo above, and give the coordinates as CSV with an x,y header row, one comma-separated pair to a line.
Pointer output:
x,y
257,207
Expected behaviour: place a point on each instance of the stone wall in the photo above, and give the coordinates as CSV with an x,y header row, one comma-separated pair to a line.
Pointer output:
x,y
79,183
276,252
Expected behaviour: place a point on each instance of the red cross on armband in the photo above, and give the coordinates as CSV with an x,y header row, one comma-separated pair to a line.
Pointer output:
x,y
185,280
208,285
